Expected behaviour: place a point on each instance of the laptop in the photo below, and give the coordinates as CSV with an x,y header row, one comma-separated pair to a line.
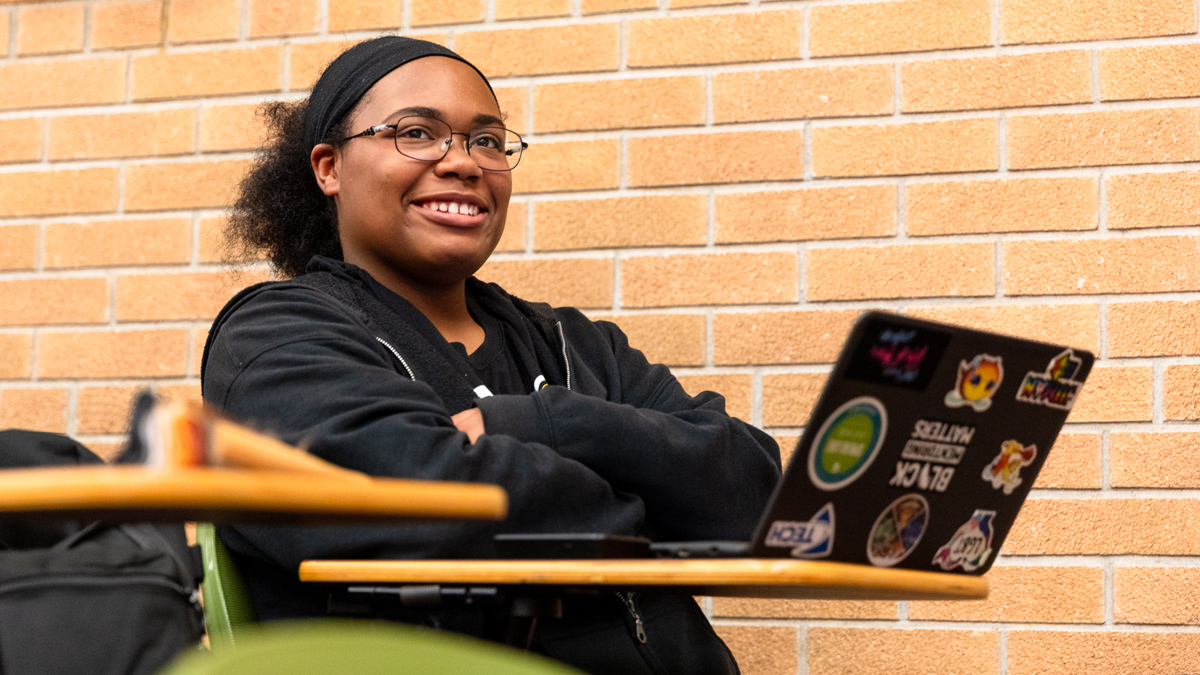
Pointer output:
x,y
918,454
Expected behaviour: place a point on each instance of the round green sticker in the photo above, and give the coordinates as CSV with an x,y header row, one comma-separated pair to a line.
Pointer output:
x,y
847,443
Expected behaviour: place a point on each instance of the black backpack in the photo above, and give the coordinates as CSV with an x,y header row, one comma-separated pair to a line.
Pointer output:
x,y
91,597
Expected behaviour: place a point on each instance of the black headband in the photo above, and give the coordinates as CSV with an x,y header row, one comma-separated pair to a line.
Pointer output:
x,y
354,72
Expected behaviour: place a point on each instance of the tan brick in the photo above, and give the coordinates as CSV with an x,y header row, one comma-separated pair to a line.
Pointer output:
x,y
232,127
904,26
347,15
433,12
1052,78
16,356
103,410
787,450
105,243
1181,392
189,393
1085,267
802,215
118,24
106,450
1163,595
4,24
788,399
22,139
780,337
753,608
1115,394
514,107
1105,527
1028,21
49,300
913,271
1153,200
896,149
797,93
568,165
737,390
199,337
728,38
702,3
214,248
44,193
1027,595
1096,653
513,238
711,279
541,51
1153,329
50,29
307,60
619,104
49,84
1073,463
139,134
34,409
726,157
527,9
1161,71
761,650
203,20
1077,325
175,297
656,220
1104,138
18,247
671,339
575,282
207,73
851,651
1154,460
604,6
112,354
1021,205
182,185
283,17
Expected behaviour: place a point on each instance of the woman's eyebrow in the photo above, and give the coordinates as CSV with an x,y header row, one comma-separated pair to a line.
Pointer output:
x,y
485,120
420,111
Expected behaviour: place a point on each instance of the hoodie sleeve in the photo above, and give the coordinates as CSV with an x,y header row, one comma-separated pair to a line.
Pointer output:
x,y
702,474
294,362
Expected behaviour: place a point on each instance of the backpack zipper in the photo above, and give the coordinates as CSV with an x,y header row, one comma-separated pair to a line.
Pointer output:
x,y
80,580
640,628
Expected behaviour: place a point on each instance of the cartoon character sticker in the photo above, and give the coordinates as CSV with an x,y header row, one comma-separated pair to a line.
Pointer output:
x,y
812,539
1053,388
971,544
1005,469
897,530
977,382
847,443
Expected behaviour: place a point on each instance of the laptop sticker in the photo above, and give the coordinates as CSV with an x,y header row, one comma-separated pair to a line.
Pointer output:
x,y
812,539
897,355
1053,388
939,442
923,476
847,442
977,382
897,530
1005,469
971,544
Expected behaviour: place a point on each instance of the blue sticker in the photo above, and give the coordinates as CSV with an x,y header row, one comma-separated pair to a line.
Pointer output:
x,y
812,539
898,530
847,443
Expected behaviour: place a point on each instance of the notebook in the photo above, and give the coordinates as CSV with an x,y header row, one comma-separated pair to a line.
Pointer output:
x,y
918,454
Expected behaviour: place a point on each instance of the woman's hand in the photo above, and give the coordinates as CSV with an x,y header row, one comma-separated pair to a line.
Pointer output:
x,y
470,422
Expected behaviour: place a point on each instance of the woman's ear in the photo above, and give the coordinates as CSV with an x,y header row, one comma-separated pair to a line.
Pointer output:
x,y
325,168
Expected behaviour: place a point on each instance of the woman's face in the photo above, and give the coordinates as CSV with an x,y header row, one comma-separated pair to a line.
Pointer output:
x,y
389,206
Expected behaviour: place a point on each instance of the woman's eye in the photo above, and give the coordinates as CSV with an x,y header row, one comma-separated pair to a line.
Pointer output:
x,y
416,133
489,141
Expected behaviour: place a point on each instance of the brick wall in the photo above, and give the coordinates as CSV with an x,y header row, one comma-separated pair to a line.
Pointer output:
x,y
732,182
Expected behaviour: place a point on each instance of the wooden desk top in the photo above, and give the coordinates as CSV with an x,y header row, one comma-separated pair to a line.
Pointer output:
x,y
744,577
136,494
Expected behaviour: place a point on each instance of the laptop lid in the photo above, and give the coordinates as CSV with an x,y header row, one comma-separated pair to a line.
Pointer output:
x,y
922,447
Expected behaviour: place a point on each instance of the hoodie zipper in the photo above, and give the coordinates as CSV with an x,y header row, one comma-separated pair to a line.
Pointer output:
x,y
398,358
566,361
627,598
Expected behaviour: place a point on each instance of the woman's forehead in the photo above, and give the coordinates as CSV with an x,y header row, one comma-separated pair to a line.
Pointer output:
x,y
447,87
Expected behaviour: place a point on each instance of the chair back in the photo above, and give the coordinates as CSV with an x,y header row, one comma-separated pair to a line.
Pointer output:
x,y
227,606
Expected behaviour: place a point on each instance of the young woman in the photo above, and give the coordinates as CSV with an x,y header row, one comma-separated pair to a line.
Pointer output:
x,y
378,198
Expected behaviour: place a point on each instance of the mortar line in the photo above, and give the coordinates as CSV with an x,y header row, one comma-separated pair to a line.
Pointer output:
x,y
997,22
1157,399
802,649
87,28
805,53
244,21
1097,95
1109,607
72,408
322,17
1002,643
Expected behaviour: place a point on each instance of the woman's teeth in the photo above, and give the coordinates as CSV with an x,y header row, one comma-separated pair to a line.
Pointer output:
x,y
452,207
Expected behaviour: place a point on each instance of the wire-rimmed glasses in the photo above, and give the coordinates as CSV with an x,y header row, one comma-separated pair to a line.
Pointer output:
x,y
428,139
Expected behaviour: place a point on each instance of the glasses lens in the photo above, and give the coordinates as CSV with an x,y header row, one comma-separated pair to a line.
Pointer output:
x,y
422,138
495,148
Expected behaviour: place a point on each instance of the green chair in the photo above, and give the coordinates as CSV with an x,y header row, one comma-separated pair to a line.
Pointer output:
x,y
227,608
329,647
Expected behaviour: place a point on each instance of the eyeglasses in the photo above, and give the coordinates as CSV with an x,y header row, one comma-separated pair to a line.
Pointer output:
x,y
429,140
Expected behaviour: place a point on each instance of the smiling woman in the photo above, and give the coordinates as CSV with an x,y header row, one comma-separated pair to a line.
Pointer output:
x,y
380,197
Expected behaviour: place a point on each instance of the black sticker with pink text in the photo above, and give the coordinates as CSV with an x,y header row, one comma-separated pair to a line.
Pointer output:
x,y
897,355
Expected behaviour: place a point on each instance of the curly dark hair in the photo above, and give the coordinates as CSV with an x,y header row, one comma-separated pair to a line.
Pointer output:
x,y
280,210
